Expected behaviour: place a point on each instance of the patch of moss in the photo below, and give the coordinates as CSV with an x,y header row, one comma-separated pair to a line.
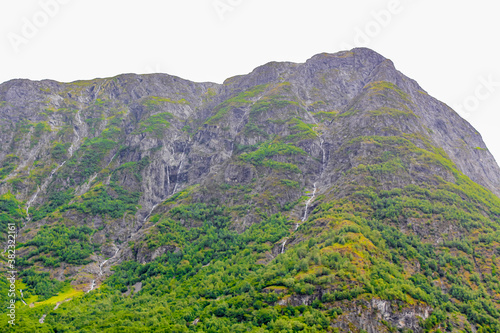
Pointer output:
x,y
8,165
156,124
236,101
153,102
385,111
381,86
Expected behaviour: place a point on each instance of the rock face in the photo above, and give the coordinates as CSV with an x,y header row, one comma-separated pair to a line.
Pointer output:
x,y
207,121
114,154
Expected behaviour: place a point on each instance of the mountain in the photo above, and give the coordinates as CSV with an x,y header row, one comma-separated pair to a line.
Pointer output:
x,y
330,196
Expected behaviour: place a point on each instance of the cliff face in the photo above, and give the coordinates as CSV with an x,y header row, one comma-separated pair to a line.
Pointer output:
x,y
342,133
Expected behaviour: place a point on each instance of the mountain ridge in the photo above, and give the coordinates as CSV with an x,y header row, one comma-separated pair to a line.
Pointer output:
x,y
334,156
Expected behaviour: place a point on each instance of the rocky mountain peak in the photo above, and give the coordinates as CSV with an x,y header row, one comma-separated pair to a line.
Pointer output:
x,y
332,187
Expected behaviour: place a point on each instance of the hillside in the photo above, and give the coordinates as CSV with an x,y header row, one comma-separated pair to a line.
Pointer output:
x,y
330,196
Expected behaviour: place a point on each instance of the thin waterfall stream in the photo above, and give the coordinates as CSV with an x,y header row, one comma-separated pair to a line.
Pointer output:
x,y
47,180
323,164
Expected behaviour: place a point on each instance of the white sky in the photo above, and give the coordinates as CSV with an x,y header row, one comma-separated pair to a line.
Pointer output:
x,y
450,47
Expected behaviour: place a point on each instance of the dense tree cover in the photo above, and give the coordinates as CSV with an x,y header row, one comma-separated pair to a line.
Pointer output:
x,y
40,283
59,151
10,212
271,149
8,164
450,279
431,247
55,200
57,244
219,280
265,151
112,200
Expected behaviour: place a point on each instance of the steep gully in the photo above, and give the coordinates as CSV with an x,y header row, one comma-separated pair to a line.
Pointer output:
x,y
71,150
315,187
118,249
101,265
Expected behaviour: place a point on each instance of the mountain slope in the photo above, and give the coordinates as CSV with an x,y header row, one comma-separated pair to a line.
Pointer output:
x,y
334,195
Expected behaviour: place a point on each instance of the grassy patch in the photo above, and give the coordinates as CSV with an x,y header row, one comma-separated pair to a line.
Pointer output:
x,y
382,86
66,292
239,100
156,124
154,102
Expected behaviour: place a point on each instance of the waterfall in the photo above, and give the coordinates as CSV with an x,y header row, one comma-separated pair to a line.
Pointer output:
x,y
30,202
111,160
42,188
283,246
168,180
178,172
77,139
71,152
323,165
105,261
308,202
151,211
321,141
183,156
91,286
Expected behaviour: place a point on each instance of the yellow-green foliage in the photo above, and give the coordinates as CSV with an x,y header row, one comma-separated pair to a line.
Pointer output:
x,y
153,102
261,156
348,113
389,167
380,87
281,165
40,128
209,94
112,200
289,183
325,115
236,101
259,109
66,293
384,111
300,130
155,124
10,212
271,149
8,165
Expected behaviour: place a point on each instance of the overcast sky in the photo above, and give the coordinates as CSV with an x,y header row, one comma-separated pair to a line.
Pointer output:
x,y
450,47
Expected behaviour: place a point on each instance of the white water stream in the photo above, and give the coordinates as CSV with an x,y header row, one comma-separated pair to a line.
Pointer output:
x,y
105,261
178,173
308,202
77,139
71,151
323,164
47,180
91,286
30,202
283,246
